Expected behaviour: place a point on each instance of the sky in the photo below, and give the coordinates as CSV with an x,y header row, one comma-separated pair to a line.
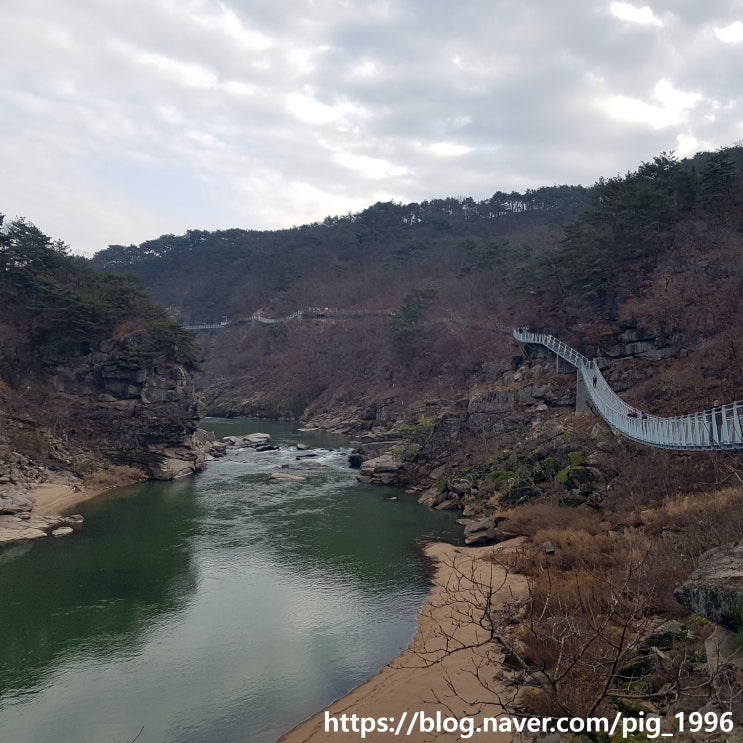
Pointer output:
x,y
121,120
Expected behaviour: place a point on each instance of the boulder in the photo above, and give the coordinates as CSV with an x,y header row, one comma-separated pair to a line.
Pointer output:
x,y
448,505
249,440
17,535
286,477
459,487
479,532
62,531
482,537
721,648
383,470
664,635
480,525
170,468
437,473
715,589
355,460
431,497
217,449
14,504
15,529
385,463
377,448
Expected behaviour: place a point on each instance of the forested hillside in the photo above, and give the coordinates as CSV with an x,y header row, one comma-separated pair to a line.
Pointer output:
x,y
347,261
92,372
417,292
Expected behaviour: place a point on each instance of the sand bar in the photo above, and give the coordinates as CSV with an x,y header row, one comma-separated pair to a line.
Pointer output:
x,y
53,499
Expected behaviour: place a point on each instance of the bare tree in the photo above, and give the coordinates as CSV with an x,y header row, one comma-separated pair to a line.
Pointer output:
x,y
559,642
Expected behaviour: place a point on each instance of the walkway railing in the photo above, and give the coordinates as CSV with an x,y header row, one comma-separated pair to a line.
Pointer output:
x,y
716,428
206,326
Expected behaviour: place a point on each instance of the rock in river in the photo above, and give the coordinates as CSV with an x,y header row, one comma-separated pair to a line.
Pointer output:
x,y
286,477
384,470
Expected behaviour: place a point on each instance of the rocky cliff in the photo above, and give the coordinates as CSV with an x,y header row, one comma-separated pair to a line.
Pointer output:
x,y
95,410
93,423
93,376
133,415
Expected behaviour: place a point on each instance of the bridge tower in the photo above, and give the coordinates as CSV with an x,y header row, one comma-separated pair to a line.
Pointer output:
x,y
582,397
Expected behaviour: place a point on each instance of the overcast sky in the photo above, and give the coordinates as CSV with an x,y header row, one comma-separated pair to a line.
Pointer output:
x,y
125,119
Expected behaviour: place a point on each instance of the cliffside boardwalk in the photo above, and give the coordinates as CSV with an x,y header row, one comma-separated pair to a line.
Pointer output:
x,y
714,429
310,313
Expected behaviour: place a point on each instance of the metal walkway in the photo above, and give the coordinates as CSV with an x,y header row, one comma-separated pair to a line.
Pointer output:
x,y
714,429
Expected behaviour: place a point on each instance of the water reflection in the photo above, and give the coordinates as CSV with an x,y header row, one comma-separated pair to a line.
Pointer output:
x,y
224,607
329,525
98,592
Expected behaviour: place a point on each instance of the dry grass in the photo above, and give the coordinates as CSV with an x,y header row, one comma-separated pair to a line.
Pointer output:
x,y
529,519
113,477
594,594
696,523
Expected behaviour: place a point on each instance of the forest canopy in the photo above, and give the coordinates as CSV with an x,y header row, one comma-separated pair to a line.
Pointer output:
x,y
59,305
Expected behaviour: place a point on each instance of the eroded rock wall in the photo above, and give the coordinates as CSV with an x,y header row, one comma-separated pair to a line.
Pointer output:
x,y
130,414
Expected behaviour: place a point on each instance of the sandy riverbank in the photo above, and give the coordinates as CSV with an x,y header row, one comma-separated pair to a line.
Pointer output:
x,y
421,678
45,515
53,499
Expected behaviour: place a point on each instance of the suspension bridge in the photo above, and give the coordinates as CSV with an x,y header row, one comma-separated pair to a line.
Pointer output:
x,y
257,317
715,429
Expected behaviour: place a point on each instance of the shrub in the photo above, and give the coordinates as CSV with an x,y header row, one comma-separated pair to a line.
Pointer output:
x,y
577,458
499,477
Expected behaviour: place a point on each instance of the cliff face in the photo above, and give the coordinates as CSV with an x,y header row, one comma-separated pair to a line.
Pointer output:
x,y
136,416
92,373
92,422
95,410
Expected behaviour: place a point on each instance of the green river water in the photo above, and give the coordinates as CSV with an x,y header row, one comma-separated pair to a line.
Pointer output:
x,y
218,608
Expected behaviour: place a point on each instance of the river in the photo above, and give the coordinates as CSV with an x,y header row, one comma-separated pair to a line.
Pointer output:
x,y
223,607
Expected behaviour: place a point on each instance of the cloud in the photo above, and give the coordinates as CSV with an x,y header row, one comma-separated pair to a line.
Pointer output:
x,y
311,111
633,14
671,106
730,34
370,167
444,149
125,120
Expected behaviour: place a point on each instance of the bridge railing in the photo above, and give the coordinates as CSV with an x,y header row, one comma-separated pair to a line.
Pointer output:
x,y
206,326
716,428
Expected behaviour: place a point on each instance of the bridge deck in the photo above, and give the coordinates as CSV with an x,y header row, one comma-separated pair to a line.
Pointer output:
x,y
715,429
